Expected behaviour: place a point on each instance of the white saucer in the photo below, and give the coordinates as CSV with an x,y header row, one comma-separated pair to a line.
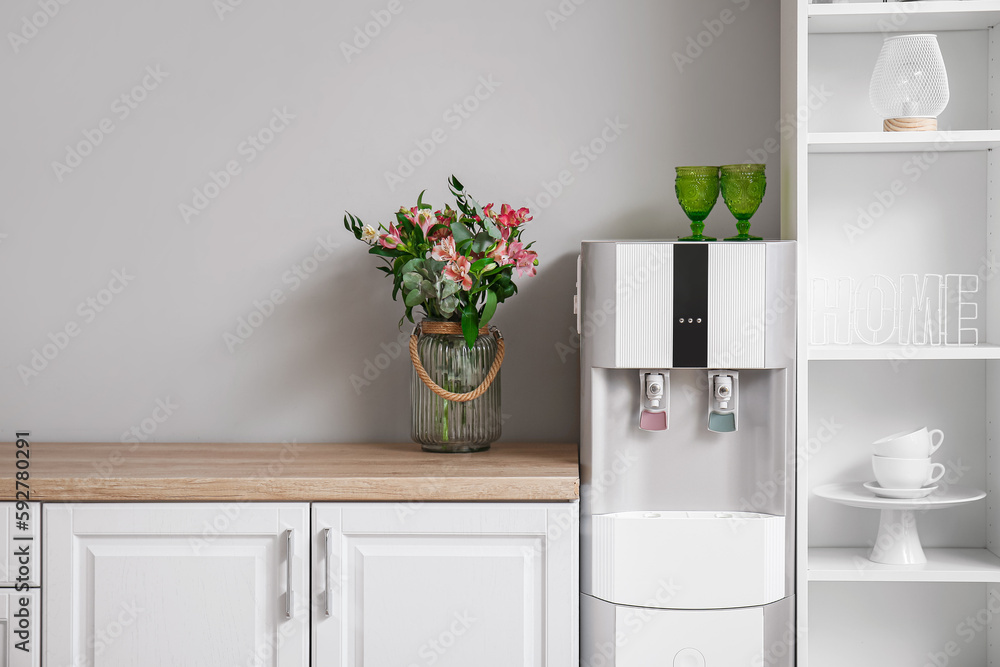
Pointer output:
x,y
900,493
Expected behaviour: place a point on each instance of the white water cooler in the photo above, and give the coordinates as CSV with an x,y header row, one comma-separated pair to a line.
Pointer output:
x,y
687,453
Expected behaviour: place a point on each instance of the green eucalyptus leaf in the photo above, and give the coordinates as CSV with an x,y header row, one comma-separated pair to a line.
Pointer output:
x,y
413,265
482,242
449,287
434,267
413,298
492,229
411,280
460,232
427,290
449,305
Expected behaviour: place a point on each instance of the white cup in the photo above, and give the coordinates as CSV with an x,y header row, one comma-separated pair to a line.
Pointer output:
x,y
918,444
893,473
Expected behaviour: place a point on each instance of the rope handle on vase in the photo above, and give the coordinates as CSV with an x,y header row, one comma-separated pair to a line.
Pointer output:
x,y
452,328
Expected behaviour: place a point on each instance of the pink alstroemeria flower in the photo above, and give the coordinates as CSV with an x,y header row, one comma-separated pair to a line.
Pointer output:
x,y
458,270
445,250
390,239
523,259
501,254
509,217
442,225
425,220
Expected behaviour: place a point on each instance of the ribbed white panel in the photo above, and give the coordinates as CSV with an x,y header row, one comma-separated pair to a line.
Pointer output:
x,y
644,305
736,305
774,564
604,556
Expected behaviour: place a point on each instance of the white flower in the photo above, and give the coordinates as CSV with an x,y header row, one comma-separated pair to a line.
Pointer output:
x,y
369,235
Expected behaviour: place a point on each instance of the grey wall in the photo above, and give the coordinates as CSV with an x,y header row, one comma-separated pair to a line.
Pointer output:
x,y
562,77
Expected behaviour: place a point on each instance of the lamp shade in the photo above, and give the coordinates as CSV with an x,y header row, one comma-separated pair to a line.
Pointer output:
x,y
909,87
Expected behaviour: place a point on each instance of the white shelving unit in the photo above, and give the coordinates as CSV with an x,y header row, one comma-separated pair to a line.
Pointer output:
x,y
943,565
901,353
942,217
928,16
903,142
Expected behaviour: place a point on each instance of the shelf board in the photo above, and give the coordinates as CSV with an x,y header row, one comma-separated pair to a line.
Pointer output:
x,y
900,142
897,17
943,565
901,352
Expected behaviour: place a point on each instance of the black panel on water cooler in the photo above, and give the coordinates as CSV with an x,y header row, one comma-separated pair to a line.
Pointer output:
x,y
690,305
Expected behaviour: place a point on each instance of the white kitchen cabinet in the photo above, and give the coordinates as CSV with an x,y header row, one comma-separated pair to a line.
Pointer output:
x,y
445,584
163,585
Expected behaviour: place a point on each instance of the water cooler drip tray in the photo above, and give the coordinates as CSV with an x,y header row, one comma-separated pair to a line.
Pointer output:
x,y
688,560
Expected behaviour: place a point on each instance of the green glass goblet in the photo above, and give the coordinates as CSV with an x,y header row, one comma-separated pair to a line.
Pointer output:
x,y
697,190
743,188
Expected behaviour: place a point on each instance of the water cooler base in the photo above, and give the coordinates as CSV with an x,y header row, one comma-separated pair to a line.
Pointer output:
x,y
622,636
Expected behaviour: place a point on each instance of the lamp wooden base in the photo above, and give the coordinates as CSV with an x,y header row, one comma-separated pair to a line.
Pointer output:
x,y
909,125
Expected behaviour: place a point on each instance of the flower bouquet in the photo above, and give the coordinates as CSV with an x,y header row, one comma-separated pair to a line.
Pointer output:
x,y
457,265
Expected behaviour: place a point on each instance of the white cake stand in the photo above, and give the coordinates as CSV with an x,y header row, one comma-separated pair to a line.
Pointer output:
x,y
898,542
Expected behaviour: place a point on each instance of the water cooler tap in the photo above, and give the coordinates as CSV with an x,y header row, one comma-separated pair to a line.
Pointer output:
x,y
654,403
723,401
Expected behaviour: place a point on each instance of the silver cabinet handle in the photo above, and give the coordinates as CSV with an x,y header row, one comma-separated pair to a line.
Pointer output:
x,y
289,551
329,578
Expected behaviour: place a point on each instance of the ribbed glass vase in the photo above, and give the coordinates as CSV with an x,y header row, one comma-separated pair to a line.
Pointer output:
x,y
440,425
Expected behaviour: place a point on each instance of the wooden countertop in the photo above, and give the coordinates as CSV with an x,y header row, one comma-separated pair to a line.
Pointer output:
x,y
292,472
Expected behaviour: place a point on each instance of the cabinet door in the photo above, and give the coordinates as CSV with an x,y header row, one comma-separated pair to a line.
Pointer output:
x,y
158,585
445,584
